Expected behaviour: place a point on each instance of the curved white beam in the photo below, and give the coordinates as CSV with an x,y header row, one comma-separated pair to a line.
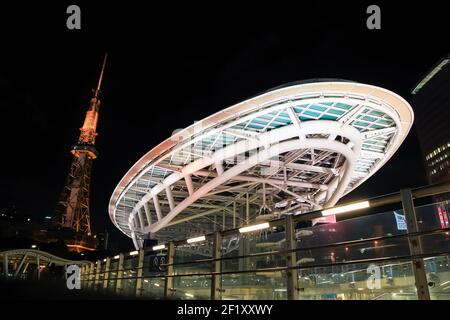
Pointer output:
x,y
323,127
271,137
263,155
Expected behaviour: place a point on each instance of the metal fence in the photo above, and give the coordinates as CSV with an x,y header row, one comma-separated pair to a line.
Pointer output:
x,y
374,253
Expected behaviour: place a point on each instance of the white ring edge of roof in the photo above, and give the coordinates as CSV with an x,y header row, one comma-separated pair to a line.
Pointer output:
x,y
395,101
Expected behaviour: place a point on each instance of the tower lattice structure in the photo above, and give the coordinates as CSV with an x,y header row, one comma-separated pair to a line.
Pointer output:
x,y
73,207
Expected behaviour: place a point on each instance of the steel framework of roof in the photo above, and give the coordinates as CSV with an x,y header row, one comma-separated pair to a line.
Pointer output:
x,y
290,150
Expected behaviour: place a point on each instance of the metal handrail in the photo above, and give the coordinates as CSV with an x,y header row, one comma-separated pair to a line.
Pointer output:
x,y
281,269
338,244
378,201
422,233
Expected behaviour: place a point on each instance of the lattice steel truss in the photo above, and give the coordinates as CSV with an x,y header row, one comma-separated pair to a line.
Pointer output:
x,y
74,207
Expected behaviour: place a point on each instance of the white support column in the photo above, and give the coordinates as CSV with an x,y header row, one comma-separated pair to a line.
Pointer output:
x,y
136,221
148,213
131,223
168,287
15,265
344,179
170,198
135,240
189,184
331,188
141,217
140,273
157,207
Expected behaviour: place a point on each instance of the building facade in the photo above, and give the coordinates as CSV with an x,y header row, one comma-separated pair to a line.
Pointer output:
x,y
431,104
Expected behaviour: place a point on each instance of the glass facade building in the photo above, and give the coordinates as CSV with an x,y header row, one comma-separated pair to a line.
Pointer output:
x,y
431,104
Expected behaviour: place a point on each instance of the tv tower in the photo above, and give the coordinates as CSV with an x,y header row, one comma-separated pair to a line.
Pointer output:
x,y
73,208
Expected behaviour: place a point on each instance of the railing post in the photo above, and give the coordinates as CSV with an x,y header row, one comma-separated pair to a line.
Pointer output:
x,y
98,270
106,274
168,287
291,259
140,273
119,280
84,272
86,277
216,292
81,273
38,262
415,246
91,274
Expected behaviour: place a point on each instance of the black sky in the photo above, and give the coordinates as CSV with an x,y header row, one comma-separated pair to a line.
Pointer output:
x,y
172,64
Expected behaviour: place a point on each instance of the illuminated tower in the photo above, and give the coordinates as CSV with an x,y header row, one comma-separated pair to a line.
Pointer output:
x,y
73,207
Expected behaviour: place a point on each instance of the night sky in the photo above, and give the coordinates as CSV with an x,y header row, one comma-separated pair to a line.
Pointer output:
x,y
171,65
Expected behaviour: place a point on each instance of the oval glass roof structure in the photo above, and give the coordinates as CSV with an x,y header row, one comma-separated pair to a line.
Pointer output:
x,y
293,149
